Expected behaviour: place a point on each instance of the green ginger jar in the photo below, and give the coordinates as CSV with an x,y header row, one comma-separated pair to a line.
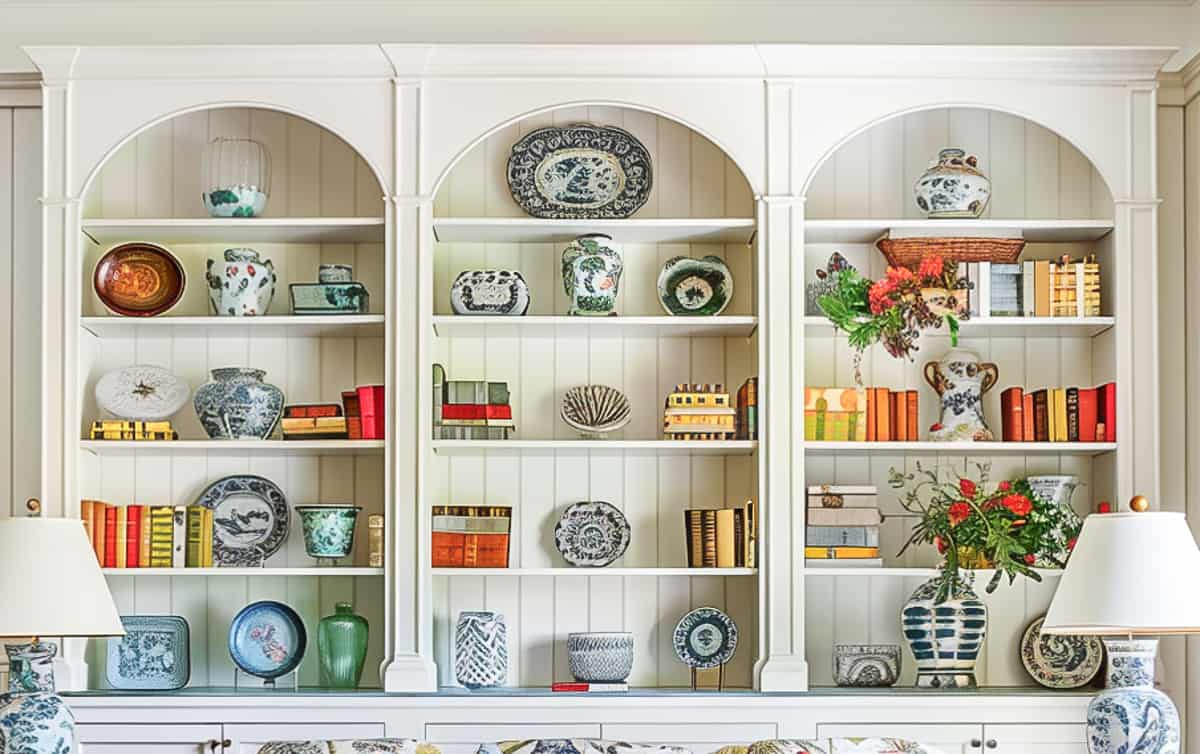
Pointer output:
x,y
342,647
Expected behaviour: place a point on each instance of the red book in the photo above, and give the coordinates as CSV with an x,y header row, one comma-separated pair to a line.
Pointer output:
x,y
311,410
567,686
354,428
914,415
1088,412
110,537
1027,418
1012,412
350,402
1107,407
871,418
476,411
370,399
1041,416
900,415
133,537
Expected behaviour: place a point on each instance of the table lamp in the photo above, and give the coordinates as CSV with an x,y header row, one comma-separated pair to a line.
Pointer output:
x,y
1130,575
50,585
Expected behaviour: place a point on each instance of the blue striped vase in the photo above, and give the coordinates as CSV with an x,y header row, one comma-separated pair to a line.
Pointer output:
x,y
945,638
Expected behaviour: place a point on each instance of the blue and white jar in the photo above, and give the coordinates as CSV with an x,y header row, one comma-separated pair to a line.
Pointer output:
x,y
953,186
328,529
481,650
33,719
238,405
945,637
1130,715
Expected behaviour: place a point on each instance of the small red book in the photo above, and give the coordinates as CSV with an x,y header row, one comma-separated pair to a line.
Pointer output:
x,y
914,416
370,399
1087,414
350,402
476,411
110,537
1107,406
1012,410
1041,416
133,537
1027,418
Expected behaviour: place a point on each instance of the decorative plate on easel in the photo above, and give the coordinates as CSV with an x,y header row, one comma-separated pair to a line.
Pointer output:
x,y
1060,661
705,638
250,519
267,639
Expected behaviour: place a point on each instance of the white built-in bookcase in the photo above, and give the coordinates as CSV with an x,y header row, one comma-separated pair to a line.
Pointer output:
x,y
771,156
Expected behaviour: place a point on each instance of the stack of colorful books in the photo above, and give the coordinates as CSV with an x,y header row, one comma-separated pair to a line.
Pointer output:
x,y
1072,414
843,527
120,429
149,536
365,418
872,414
470,409
1037,288
699,411
746,421
471,536
313,421
721,537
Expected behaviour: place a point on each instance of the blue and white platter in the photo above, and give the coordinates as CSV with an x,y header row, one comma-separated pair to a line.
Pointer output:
x,y
705,638
592,533
153,655
250,519
1060,661
579,171
267,639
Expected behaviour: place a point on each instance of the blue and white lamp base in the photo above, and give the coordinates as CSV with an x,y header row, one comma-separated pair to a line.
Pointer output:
x,y
33,719
1130,715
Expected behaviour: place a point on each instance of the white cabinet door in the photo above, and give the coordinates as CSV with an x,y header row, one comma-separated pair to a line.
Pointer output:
x,y
948,739
698,738
147,739
1035,739
455,738
246,739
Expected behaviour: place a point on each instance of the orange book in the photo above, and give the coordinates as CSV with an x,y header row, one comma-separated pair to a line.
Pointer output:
x,y
1027,418
87,516
449,549
883,415
914,416
489,550
900,416
871,414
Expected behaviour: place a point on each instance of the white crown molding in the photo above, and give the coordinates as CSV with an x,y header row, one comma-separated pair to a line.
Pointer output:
x,y
20,90
1189,79
645,62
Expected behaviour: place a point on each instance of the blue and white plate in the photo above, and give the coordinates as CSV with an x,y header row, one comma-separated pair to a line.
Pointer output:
x,y
153,655
1060,661
579,171
591,533
705,638
250,519
267,639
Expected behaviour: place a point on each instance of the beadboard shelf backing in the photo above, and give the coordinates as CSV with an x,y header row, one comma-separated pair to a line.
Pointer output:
x,y
587,573
234,231
450,326
627,447
817,326
271,326
1033,231
316,571
981,576
236,447
941,449
718,230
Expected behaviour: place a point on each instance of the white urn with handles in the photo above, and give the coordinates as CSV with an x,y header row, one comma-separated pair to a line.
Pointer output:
x,y
960,379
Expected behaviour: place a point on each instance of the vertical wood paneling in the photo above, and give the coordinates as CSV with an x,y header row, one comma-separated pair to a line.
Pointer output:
x,y
692,179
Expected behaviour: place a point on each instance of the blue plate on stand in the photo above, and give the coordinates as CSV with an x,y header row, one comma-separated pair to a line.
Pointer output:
x,y
267,639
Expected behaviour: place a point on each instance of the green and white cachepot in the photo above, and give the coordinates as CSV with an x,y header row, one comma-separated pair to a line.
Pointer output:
x,y
945,637
591,275
328,529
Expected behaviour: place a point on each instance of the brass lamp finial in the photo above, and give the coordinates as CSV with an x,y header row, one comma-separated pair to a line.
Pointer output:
x,y
34,506
1139,504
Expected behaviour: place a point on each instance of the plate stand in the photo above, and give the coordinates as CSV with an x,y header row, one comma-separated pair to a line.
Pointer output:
x,y
268,684
720,678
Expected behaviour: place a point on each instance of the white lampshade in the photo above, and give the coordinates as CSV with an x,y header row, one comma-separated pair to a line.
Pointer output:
x,y
1130,573
50,582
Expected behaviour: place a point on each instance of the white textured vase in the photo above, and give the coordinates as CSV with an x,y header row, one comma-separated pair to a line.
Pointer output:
x,y
481,649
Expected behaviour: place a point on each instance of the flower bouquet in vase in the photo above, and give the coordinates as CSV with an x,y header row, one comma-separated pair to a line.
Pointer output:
x,y
974,525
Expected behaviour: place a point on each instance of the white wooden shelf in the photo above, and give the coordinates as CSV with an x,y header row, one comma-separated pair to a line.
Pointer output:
x,y
284,571
235,230
287,326
588,572
817,326
636,230
981,576
239,447
647,447
450,326
831,448
1034,231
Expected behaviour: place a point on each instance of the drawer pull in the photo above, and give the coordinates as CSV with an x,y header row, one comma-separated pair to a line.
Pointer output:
x,y
976,743
991,743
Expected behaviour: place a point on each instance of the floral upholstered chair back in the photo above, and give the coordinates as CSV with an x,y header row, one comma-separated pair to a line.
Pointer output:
x,y
576,746
839,746
355,746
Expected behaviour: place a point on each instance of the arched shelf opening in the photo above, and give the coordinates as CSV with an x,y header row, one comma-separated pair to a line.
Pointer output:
x,y
1043,190
700,204
325,207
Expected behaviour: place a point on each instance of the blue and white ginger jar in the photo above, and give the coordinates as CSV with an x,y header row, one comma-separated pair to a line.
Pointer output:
x,y
238,405
945,637
1130,715
953,186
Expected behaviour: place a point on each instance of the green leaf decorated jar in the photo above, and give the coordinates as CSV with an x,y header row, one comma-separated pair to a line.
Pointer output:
x,y
342,647
328,529
591,275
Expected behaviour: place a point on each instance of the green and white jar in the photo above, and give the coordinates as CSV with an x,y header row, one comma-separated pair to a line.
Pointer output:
x,y
328,529
591,275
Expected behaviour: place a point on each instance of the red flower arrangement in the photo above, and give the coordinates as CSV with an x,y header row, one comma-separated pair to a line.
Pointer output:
x,y
1007,528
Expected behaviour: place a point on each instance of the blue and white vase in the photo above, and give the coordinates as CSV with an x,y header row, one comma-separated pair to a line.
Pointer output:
x,y
481,649
953,186
945,637
1130,715
33,719
328,529
238,405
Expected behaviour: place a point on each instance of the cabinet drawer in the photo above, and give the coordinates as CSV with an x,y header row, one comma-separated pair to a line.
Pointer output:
x,y
145,739
1038,738
458,733
700,738
949,739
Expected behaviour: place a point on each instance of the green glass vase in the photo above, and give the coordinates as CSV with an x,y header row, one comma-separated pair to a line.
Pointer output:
x,y
342,646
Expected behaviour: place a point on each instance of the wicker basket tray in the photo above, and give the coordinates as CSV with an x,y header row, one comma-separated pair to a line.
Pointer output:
x,y
907,252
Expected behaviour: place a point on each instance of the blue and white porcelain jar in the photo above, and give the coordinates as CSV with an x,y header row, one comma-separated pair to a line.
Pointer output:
x,y
945,637
953,186
328,529
481,649
1130,715
238,405
33,719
